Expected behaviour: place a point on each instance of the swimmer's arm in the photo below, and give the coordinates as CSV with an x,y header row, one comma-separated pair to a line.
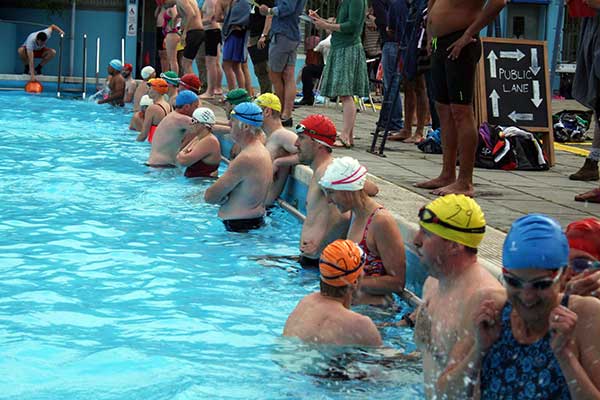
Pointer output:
x,y
196,151
220,190
583,373
143,135
485,17
31,60
116,93
371,188
390,248
286,161
221,127
57,29
365,332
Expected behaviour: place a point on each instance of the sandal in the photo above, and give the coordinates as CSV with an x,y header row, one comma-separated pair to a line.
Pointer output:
x,y
342,143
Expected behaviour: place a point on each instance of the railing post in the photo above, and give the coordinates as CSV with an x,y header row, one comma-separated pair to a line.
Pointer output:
x,y
123,51
60,46
97,62
84,63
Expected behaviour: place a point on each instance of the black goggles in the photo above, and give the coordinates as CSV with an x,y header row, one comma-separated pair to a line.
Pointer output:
x,y
429,217
343,272
243,117
581,264
536,284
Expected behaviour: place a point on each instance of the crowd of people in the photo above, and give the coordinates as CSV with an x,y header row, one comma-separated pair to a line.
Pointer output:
x,y
526,336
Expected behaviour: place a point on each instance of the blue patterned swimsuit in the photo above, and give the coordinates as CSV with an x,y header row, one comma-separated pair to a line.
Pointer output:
x,y
512,370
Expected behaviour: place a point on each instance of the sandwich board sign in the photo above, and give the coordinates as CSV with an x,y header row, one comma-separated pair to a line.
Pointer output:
x,y
514,87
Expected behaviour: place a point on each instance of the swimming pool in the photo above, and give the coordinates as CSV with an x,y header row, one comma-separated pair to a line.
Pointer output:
x,y
118,281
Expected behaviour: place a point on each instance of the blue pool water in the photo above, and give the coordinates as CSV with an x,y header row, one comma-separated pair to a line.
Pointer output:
x,y
119,282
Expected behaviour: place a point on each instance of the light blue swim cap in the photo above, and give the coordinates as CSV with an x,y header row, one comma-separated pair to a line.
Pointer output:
x,y
248,113
116,64
535,241
185,97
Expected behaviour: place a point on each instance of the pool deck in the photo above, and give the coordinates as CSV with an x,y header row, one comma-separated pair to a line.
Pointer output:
x,y
503,195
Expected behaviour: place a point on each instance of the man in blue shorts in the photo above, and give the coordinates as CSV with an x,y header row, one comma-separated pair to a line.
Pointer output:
x,y
285,38
454,30
234,29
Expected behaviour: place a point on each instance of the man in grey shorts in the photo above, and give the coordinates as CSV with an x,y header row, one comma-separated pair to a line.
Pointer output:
x,y
285,38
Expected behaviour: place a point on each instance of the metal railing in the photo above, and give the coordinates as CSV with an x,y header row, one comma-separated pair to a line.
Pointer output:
x,y
59,65
83,76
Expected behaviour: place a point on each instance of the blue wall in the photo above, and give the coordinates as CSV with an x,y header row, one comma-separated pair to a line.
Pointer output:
x,y
8,33
109,25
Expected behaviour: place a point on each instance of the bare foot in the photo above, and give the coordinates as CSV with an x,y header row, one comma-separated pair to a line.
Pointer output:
x,y
593,196
435,183
414,139
206,96
455,188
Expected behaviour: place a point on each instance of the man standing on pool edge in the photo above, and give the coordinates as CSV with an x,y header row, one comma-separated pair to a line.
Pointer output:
x,y
35,47
454,28
241,191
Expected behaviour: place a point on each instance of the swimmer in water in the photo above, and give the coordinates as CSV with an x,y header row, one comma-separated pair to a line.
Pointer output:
x,y
241,191
529,337
202,155
372,227
582,277
157,111
137,121
116,84
170,132
143,89
451,228
281,144
325,317
130,83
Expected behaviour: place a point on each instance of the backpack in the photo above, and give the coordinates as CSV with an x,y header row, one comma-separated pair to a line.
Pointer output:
x,y
432,144
571,126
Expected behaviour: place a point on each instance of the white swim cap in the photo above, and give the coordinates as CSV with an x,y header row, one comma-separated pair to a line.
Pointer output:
x,y
147,71
204,116
146,101
344,173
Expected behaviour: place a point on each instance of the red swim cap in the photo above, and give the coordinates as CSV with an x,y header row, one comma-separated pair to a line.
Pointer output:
x,y
191,82
128,67
318,127
584,235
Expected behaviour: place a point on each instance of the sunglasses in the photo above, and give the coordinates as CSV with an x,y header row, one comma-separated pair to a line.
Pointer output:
x,y
429,217
536,284
580,264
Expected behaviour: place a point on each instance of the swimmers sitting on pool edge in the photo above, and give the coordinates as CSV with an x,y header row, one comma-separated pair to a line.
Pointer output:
x,y
325,316
242,189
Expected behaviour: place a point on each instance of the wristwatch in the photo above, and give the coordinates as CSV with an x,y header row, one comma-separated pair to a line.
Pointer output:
x,y
262,35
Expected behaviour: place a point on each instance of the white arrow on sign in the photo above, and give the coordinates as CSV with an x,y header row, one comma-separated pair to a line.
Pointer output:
x,y
517,55
535,68
495,110
536,94
492,57
515,116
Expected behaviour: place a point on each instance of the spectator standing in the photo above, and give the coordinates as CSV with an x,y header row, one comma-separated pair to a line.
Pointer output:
x,y
258,45
310,72
345,74
161,53
211,13
235,24
285,38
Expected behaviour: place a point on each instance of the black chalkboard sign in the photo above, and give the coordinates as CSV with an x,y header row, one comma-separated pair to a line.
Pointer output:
x,y
515,86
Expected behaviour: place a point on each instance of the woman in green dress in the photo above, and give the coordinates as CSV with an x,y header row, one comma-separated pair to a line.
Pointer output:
x,y
345,73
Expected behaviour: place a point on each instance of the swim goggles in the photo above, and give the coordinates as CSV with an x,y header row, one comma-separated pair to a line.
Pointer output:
x,y
252,117
580,264
536,284
344,272
429,217
301,129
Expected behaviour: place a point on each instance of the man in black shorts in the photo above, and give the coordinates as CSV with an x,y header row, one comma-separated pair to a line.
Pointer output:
x,y
453,30
193,30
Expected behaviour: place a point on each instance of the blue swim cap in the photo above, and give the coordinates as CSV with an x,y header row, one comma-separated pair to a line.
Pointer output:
x,y
248,113
116,64
185,97
535,241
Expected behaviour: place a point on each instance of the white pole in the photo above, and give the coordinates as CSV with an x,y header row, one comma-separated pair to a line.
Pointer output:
x,y
97,55
72,44
122,50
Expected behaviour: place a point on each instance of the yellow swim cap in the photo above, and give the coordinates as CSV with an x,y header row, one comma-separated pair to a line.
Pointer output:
x,y
454,217
269,100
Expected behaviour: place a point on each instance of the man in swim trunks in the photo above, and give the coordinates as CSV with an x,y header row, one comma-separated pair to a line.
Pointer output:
x,y
202,155
281,144
242,189
372,227
157,111
170,131
324,223
116,84
451,228
211,15
35,47
285,38
143,89
454,28
325,317
193,30
530,339
130,83
137,121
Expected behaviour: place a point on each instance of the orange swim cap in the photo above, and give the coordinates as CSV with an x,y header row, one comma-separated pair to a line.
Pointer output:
x,y
159,84
341,263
